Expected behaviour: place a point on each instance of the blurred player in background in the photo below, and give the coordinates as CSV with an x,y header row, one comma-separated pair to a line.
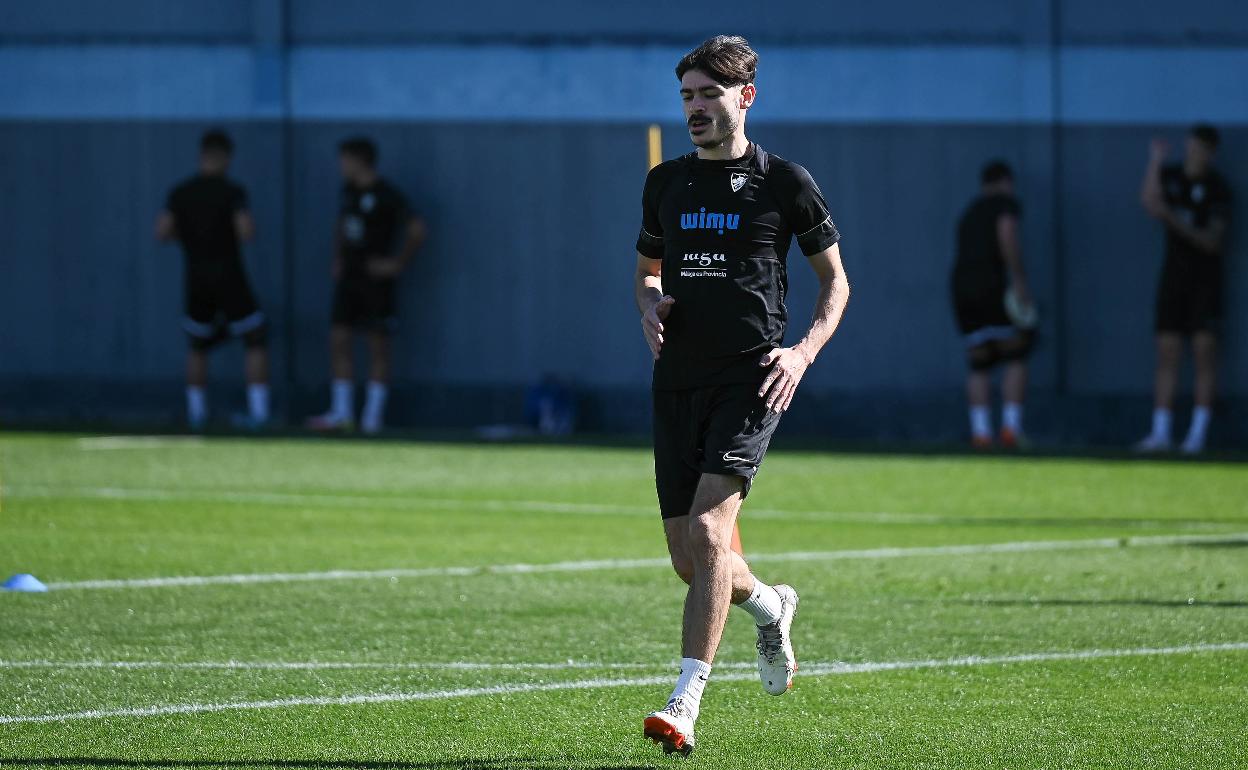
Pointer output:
x,y
1193,201
993,305
710,286
208,214
373,218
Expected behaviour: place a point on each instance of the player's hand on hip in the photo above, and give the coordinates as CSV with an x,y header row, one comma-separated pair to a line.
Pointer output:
x,y
652,323
787,367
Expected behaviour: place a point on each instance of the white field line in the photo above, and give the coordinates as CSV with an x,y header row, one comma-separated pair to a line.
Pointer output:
x,y
823,669
419,502
319,665
599,565
140,442
615,564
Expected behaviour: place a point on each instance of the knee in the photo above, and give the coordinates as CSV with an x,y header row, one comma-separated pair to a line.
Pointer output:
x,y
683,566
706,536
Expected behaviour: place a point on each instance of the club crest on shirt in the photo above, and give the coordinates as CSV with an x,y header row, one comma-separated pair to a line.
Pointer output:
x,y
737,181
367,202
1198,193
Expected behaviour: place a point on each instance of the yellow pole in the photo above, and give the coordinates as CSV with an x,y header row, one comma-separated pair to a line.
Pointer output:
x,y
656,144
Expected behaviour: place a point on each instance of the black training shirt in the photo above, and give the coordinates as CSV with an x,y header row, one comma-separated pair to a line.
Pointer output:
x,y
1198,202
370,219
203,209
723,229
980,265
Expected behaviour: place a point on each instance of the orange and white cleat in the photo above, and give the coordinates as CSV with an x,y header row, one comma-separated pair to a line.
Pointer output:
x,y
1013,440
981,443
672,727
776,661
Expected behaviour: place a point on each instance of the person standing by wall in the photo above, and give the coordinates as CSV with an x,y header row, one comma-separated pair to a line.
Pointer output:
x,y
1192,201
366,268
209,216
993,305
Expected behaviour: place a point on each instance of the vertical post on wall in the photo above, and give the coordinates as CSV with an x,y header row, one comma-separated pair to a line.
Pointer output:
x,y
1059,229
288,217
270,32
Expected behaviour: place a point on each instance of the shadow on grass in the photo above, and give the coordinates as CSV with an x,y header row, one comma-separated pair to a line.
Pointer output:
x,y
518,763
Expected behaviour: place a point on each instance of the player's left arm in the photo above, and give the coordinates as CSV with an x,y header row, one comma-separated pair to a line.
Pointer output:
x,y
789,364
244,224
414,234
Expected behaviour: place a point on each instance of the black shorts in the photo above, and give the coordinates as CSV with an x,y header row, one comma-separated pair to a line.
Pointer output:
x,y
221,305
722,429
1189,297
366,303
980,313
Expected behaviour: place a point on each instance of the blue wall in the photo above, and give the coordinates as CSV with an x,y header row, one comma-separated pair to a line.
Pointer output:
x,y
520,133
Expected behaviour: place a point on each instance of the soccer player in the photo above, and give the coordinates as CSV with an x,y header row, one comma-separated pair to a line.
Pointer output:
x,y
1193,202
710,285
373,216
208,214
989,265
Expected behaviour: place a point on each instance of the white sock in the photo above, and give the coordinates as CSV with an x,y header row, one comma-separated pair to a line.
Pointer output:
x,y
1161,424
374,405
1012,417
692,681
342,403
763,604
981,422
1199,427
196,405
258,401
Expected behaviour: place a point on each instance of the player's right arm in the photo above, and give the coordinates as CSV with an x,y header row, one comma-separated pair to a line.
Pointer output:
x,y
166,225
166,228
653,304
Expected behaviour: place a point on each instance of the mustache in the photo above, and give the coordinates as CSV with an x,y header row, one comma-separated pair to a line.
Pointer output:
x,y
700,119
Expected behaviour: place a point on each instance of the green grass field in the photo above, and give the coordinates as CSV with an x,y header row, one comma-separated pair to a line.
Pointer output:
x,y
406,605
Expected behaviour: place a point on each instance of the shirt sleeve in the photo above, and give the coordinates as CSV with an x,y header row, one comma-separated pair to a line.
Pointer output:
x,y
808,215
650,239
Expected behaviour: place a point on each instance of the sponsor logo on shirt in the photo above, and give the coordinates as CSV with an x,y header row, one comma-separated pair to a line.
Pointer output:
x,y
702,220
704,265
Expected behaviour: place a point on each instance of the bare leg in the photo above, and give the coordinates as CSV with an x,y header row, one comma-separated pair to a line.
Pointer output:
x,y
256,365
710,536
340,352
379,352
677,531
1205,354
1169,356
1014,382
979,388
196,368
